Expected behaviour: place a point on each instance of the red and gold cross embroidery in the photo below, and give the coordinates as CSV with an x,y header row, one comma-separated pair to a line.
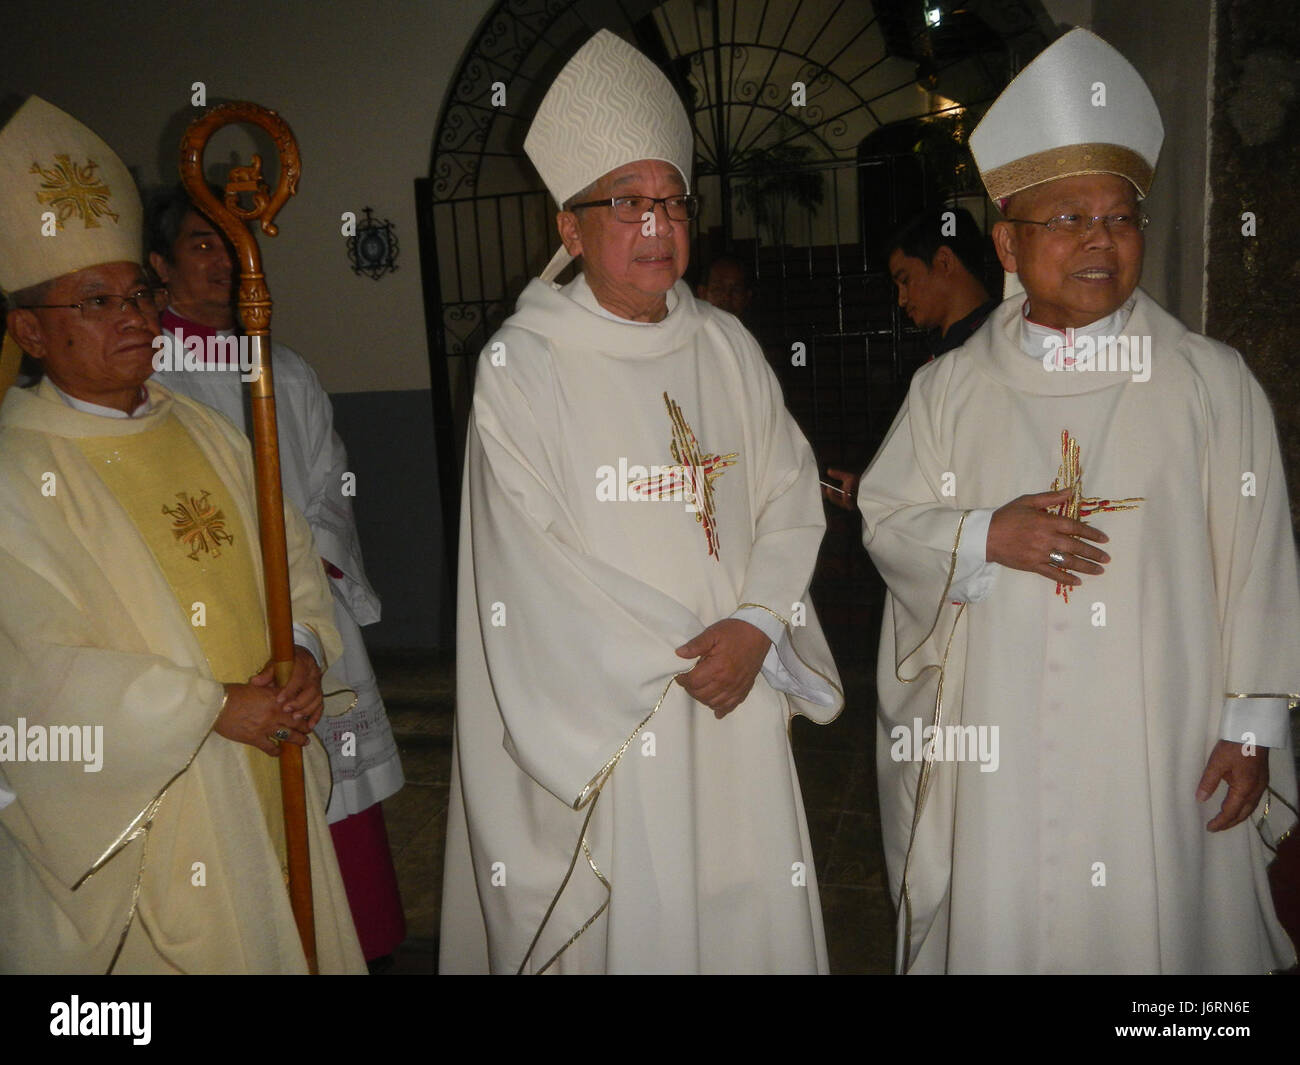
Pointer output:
x,y
1080,507
691,479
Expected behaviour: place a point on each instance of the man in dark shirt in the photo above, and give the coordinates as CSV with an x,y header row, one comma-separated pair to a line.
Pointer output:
x,y
935,262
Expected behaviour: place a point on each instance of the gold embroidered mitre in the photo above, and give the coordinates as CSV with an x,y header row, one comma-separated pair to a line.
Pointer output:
x,y
66,200
1079,108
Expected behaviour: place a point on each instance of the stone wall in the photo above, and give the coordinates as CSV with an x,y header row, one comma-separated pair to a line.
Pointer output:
x,y
1253,283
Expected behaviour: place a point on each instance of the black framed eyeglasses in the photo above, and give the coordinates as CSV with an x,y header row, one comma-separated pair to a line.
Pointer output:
x,y
107,305
1077,224
681,208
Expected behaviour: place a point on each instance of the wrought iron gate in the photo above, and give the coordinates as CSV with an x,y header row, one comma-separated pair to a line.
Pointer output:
x,y
820,125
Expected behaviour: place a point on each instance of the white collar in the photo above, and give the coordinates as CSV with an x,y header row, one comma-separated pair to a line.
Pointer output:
x,y
580,292
1037,339
95,408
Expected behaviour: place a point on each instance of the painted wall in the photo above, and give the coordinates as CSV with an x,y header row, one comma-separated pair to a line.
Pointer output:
x,y
362,86
1255,214
360,83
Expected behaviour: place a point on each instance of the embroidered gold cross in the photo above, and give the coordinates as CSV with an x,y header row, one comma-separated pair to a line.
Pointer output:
x,y
691,478
198,524
1080,507
74,190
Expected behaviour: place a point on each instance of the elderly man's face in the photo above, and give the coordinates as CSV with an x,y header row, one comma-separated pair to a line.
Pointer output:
x,y
1072,281
200,275
629,270
102,359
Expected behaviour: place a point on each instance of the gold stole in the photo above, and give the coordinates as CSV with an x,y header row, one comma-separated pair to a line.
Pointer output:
x,y
187,518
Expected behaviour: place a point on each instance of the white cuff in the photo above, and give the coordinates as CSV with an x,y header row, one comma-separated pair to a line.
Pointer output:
x,y
305,637
1265,719
766,622
782,668
973,579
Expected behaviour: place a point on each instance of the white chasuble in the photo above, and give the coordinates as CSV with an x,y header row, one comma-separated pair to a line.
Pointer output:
x,y
627,486
1081,847
159,859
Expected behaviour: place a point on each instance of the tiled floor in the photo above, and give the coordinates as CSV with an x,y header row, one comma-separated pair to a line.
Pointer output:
x,y
419,691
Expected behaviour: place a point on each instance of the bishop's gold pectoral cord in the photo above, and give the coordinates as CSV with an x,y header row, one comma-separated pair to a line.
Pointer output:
x,y
588,797
922,787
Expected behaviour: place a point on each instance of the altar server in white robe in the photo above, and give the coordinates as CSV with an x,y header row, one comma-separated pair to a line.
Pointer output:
x,y
190,256
1092,572
640,524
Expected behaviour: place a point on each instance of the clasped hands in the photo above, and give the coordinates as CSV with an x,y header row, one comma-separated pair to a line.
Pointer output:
x,y
1023,535
730,654
253,712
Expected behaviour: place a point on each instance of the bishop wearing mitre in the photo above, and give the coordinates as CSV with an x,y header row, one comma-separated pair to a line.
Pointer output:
x,y
640,524
132,620
1081,517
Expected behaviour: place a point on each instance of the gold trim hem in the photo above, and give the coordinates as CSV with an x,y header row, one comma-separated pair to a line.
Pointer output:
x,y
588,797
922,788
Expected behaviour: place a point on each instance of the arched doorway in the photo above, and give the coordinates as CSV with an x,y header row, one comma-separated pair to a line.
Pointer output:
x,y
786,98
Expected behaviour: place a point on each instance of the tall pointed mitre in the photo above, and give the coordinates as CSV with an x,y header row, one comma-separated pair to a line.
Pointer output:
x,y
608,107
66,202
1079,108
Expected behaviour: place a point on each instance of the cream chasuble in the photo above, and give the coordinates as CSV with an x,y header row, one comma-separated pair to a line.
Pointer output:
x,y
204,553
1084,850
163,858
314,470
627,486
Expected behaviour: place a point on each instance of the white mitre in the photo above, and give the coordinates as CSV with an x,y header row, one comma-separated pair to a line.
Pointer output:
x,y
66,203
608,107
1079,108
66,200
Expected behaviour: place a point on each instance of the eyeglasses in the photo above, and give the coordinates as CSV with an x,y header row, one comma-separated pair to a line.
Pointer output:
x,y
1077,224
147,298
635,208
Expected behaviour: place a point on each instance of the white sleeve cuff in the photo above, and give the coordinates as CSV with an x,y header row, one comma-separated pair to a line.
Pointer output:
x,y
305,637
768,624
1265,720
782,668
973,579
6,796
